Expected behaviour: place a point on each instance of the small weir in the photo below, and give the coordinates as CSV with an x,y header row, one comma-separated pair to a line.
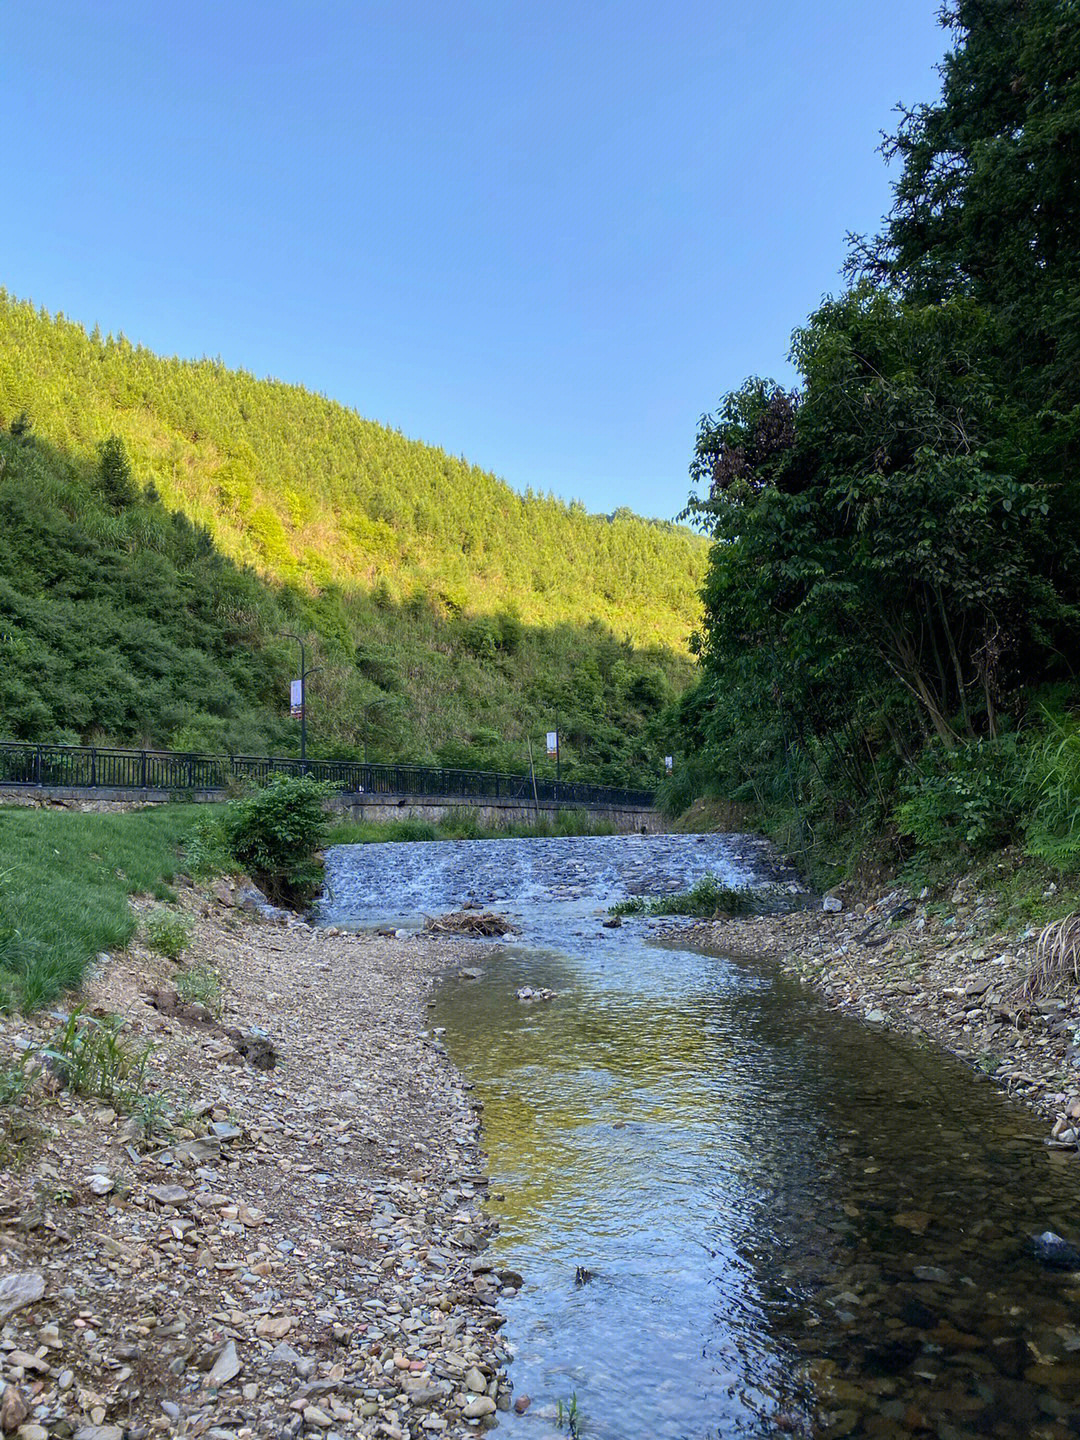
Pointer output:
x,y
737,1213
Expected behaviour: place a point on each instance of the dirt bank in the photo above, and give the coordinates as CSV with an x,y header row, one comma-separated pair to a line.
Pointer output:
x,y
938,968
293,1250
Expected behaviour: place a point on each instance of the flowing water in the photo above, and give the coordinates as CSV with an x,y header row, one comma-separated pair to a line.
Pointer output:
x,y
737,1213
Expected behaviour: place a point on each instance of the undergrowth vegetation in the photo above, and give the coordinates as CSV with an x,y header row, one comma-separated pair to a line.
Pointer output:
x,y
705,900
92,1057
168,933
199,984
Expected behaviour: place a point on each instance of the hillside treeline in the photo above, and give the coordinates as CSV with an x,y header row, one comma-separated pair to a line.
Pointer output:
x,y
310,494
892,605
121,621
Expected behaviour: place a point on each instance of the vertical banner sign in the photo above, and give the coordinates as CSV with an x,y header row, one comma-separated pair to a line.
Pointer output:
x,y
296,699
669,763
552,744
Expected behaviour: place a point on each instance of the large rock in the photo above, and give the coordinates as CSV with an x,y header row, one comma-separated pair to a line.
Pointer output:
x,y
226,1367
1055,1252
22,1288
13,1409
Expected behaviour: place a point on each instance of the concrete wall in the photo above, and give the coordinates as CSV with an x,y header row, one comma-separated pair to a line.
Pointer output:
x,y
491,814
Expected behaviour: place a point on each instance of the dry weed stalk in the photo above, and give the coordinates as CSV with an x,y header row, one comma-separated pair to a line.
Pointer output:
x,y
1057,959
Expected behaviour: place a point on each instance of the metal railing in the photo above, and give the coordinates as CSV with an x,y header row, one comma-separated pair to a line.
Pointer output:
x,y
90,767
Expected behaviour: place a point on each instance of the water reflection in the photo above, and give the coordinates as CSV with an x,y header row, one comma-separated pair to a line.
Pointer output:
x,y
795,1223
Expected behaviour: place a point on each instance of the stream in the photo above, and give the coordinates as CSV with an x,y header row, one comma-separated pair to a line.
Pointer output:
x,y
737,1213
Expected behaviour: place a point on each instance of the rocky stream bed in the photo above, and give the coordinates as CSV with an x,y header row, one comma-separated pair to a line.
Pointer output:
x,y
288,1234
300,1253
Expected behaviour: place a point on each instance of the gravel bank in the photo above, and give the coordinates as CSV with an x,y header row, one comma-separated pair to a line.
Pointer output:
x,y
939,969
294,1250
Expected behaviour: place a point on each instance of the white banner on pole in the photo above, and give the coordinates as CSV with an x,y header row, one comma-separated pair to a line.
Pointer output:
x,y
552,743
296,698
669,763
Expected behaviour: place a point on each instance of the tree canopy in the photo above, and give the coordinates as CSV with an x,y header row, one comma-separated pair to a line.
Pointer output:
x,y
895,572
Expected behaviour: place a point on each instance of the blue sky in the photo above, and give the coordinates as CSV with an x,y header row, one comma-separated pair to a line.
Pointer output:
x,y
544,236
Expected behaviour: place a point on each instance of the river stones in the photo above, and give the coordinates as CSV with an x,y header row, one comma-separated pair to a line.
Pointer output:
x,y
1055,1252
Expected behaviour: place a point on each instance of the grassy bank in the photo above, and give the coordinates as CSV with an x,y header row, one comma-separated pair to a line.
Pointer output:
x,y
65,879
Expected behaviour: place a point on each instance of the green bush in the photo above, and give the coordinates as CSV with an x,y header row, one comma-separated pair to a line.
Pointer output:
x,y
168,933
276,834
206,849
965,803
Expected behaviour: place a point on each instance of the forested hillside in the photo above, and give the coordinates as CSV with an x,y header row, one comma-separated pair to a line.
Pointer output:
x,y
165,522
892,610
309,493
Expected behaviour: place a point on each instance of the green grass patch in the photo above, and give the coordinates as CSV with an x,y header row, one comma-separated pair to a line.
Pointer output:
x,y
463,826
65,879
201,985
91,1058
707,900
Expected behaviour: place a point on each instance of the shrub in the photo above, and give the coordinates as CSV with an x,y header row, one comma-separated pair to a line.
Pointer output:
x,y
276,834
966,804
206,848
168,933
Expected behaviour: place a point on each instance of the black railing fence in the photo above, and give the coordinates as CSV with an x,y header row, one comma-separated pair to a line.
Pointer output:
x,y
84,767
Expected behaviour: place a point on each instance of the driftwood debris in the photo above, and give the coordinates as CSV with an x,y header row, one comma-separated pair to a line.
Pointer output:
x,y
484,923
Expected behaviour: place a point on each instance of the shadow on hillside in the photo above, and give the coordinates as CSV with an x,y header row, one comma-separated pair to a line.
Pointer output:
x,y
121,621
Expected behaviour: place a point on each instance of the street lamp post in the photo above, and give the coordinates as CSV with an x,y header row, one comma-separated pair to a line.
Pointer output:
x,y
304,673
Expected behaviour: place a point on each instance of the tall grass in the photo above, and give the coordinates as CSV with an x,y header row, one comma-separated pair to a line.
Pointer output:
x,y
65,879
1051,781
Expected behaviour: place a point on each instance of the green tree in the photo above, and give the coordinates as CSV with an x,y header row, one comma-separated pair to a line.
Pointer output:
x,y
114,468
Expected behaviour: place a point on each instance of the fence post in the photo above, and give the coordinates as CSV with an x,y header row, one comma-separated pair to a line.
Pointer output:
x,y
37,765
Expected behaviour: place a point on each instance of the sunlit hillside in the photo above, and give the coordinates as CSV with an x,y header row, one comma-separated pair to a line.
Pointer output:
x,y
165,522
309,493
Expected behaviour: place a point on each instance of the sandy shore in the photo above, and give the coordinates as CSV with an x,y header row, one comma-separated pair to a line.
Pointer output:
x,y
293,1250
938,969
